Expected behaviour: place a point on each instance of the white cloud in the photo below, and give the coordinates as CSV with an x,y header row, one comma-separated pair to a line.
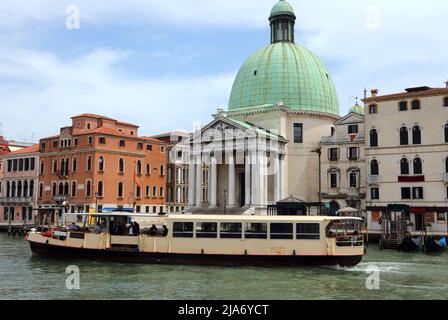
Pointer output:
x,y
44,92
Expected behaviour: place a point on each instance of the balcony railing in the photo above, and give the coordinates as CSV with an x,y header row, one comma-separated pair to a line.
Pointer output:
x,y
373,179
16,200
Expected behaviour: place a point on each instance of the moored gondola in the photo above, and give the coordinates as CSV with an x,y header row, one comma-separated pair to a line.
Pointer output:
x,y
410,244
434,246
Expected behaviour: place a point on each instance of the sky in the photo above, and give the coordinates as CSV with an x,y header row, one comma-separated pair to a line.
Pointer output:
x,y
167,65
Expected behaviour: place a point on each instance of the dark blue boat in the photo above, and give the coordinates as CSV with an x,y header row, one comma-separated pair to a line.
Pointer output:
x,y
410,244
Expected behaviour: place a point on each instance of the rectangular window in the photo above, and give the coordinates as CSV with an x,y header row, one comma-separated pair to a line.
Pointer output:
x,y
181,229
298,133
122,143
75,141
375,193
9,165
32,164
256,231
353,153
441,217
405,193
308,231
55,144
207,230
352,129
139,146
231,231
89,140
417,193
333,154
282,231
403,106
102,140
149,147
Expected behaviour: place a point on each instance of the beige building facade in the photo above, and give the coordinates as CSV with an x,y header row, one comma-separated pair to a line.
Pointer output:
x,y
407,157
343,176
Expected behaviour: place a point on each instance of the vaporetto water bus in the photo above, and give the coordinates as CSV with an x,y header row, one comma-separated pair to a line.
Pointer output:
x,y
208,240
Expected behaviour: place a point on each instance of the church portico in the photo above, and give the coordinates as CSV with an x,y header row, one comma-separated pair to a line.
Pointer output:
x,y
242,164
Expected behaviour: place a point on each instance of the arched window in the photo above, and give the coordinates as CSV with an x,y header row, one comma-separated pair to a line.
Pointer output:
x,y
154,191
55,166
25,188
62,166
8,189
162,170
61,188
19,188
404,166
100,189
13,189
446,133
418,167
42,167
66,188
31,188
88,188
73,189
121,165
101,163
148,191
374,168
138,192
89,163
416,105
404,138
41,190
120,190
373,138
75,164
416,135
139,167
54,189
148,169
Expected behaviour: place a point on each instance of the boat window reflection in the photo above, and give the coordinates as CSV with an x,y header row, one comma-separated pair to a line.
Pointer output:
x,y
308,231
282,231
206,230
183,229
256,231
231,231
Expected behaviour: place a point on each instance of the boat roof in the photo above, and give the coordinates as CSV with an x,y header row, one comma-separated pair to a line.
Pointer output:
x,y
230,218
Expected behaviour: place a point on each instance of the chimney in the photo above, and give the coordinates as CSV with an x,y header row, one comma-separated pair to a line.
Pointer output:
x,y
446,83
374,92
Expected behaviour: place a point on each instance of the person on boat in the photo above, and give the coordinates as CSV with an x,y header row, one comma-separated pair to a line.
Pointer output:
x,y
118,230
98,228
136,228
153,230
130,229
165,231
74,227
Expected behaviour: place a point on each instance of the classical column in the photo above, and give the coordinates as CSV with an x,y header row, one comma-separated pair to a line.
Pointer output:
x,y
214,183
254,174
198,181
281,174
247,180
277,179
191,183
263,178
231,190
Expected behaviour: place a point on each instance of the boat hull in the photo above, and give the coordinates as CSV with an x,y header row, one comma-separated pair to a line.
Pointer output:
x,y
135,256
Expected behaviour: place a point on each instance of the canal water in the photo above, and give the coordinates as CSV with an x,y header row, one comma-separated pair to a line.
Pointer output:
x,y
402,276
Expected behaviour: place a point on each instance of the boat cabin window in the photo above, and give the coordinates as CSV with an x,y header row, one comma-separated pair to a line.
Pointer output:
x,y
256,231
282,231
347,232
206,230
183,229
308,231
231,231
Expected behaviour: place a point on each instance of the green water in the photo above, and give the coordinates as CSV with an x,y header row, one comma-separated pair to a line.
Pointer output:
x,y
403,276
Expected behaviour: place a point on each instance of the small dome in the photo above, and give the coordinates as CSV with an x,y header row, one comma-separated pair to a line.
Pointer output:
x,y
357,109
282,8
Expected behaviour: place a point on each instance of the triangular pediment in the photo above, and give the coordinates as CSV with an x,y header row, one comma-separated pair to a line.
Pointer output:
x,y
350,119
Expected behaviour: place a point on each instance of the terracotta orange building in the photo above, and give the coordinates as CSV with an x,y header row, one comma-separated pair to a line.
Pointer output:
x,y
101,164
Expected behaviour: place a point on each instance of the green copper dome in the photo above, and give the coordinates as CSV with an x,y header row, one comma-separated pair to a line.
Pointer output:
x,y
357,109
282,8
284,72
